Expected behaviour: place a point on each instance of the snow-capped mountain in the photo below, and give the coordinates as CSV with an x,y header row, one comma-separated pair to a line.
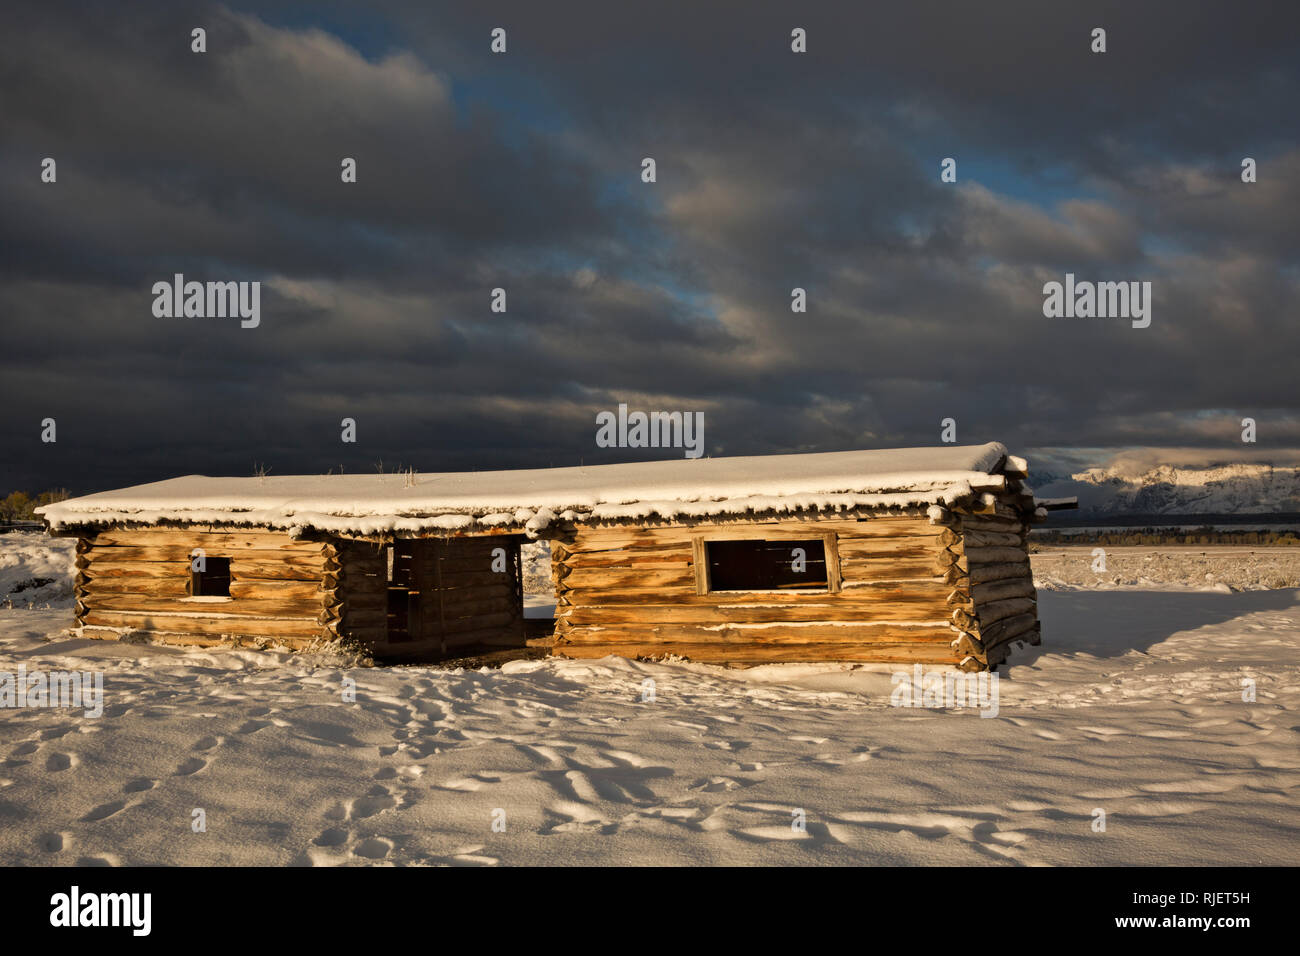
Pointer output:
x,y
1169,490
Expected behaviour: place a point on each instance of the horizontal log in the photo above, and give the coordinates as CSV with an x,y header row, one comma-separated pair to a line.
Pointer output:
x,y
463,546
592,539
473,623
256,589
639,577
479,592
994,611
985,573
1007,629
152,603
431,649
213,542
856,581
294,569
675,558
368,615
1022,586
184,552
625,543
185,640
996,555
471,579
362,601
176,586
486,564
877,612
355,580
136,569
853,570
263,571
360,619
509,635
768,653
364,563
855,593
888,549
999,652
104,559
890,527
212,626
1002,525
993,539
501,605
857,633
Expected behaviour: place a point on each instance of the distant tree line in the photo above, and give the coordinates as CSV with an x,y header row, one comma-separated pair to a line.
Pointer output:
x,y
19,506
1168,536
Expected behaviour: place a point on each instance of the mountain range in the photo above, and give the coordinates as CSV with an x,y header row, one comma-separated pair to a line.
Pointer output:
x,y
1168,490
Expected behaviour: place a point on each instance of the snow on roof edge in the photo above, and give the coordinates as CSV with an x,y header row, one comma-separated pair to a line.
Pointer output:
x,y
530,500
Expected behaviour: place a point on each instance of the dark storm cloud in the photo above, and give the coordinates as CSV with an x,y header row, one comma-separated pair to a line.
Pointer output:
x,y
522,171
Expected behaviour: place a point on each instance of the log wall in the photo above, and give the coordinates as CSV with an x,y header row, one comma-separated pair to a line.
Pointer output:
x,y
910,591
290,591
139,579
994,602
462,601
633,592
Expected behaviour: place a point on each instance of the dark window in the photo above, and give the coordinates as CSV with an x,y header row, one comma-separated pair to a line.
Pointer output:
x,y
767,565
213,580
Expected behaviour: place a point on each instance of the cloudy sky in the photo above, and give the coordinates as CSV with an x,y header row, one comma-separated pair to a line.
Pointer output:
x,y
523,171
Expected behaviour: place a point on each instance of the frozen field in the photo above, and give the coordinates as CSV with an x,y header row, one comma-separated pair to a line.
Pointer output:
x,y
1132,705
1195,566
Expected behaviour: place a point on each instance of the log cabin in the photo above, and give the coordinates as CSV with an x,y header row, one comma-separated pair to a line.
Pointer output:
x,y
911,555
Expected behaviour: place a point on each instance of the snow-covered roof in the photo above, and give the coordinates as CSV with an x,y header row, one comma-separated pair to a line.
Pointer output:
x,y
529,500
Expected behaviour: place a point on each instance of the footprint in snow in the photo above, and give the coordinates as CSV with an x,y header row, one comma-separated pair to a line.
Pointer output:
x,y
334,836
54,842
470,856
373,848
104,811
376,800
191,766
717,785
57,762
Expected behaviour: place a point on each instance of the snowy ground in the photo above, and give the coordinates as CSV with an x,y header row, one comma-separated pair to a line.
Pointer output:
x,y
1133,705
1195,566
